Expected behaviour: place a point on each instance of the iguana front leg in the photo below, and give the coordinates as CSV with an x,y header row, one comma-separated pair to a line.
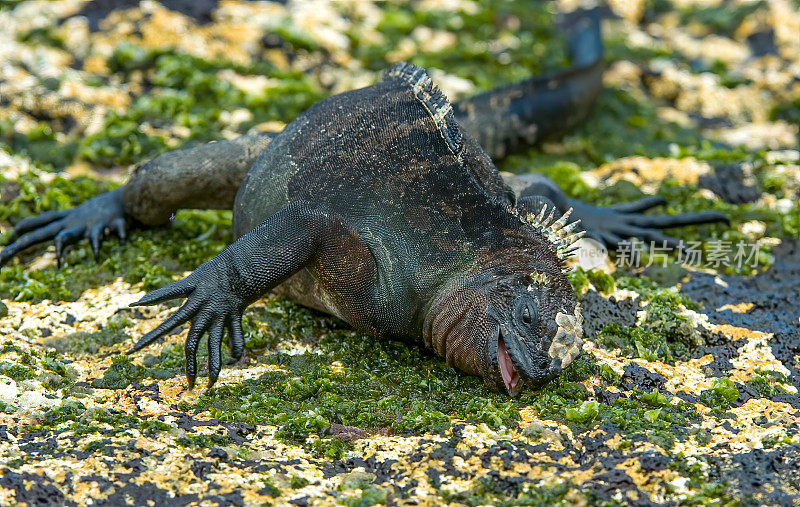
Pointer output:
x,y
611,225
300,235
205,177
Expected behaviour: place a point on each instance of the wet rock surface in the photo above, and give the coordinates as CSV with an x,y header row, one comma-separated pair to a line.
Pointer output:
x,y
728,183
775,296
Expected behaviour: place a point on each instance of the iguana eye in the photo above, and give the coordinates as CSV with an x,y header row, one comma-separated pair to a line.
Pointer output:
x,y
526,311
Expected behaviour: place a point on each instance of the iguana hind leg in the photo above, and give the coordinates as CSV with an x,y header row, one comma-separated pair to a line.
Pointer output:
x,y
206,176
610,225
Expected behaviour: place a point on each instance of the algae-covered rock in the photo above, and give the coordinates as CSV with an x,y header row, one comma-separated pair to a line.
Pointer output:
x,y
686,391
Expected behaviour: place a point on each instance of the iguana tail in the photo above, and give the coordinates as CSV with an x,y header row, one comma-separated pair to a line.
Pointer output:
x,y
514,116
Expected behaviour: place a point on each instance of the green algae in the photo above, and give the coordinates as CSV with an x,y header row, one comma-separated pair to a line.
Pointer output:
x,y
374,384
664,314
703,490
57,374
48,369
9,4
184,92
203,442
584,413
312,397
91,343
643,285
636,418
603,282
768,383
474,55
43,36
17,372
124,372
494,491
636,341
39,143
29,195
368,495
720,19
75,417
567,175
26,357
683,198
636,415
666,333
187,93
331,448
172,359
580,278
721,396
788,111
297,39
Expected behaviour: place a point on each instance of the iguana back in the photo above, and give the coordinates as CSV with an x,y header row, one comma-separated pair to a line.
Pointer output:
x,y
391,160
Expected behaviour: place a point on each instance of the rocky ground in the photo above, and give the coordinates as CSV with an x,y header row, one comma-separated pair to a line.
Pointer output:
x,y
687,389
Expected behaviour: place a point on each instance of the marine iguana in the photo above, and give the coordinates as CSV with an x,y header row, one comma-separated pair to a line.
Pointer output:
x,y
381,207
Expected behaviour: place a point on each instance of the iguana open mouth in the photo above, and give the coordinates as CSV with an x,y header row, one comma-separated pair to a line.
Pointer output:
x,y
507,369
520,362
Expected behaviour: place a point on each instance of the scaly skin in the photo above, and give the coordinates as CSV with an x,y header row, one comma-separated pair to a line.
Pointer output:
x,y
378,207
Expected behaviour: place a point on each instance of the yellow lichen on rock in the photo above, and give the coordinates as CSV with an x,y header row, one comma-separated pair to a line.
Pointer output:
x,y
647,172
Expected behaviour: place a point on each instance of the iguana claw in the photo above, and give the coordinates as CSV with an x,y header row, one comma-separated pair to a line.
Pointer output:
x,y
93,220
612,225
211,307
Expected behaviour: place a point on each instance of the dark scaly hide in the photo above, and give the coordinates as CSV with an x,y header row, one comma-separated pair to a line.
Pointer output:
x,y
451,254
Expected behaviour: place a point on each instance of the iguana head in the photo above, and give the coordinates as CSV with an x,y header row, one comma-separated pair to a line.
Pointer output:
x,y
514,320
534,332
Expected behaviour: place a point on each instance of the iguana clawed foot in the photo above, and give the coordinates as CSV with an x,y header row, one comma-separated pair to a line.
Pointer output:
x,y
614,224
92,220
211,306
